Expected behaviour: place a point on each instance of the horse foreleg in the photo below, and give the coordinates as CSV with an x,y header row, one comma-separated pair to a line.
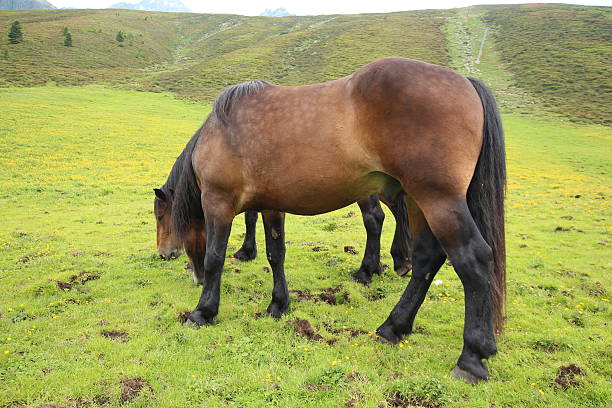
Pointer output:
x,y
427,259
248,251
373,218
274,226
218,220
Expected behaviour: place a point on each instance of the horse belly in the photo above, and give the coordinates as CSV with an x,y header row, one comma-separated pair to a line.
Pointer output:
x,y
318,195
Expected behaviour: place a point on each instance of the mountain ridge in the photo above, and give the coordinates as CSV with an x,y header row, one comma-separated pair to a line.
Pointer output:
x,y
176,6
25,5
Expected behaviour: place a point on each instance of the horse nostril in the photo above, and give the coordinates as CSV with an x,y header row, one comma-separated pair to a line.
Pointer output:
x,y
163,257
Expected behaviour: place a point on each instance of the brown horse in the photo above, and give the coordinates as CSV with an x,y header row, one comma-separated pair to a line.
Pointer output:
x,y
169,246
396,126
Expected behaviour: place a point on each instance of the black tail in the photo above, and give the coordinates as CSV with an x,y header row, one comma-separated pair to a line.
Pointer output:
x,y
486,196
186,204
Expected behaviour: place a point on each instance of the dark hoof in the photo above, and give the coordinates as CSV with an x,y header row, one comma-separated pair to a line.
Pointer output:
x,y
362,277
403,269
470,369
245,255
466,376
386,335
277,311
197,319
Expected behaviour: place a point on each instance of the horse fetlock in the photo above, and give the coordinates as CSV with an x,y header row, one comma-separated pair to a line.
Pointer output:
x,y
480,343
246,254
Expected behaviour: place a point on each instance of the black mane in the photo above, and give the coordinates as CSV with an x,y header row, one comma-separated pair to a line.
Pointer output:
x,y
224,102
177,169
186,198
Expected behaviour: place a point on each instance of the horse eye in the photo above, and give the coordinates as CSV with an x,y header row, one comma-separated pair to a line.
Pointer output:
x,y
159,217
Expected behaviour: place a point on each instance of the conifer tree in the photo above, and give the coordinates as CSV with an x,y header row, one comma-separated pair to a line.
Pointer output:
x,y
15,34
68,39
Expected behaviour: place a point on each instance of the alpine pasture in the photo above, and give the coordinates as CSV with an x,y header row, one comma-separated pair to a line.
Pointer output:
x,y
91,316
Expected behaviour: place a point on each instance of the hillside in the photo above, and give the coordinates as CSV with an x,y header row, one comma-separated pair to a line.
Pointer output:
x,y
561,53
196,55
25,5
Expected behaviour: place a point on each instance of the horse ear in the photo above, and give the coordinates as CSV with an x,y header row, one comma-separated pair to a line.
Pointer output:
x,y
160,194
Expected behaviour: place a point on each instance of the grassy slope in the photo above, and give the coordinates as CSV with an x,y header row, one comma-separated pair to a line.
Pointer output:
x,y
197,55
58,197
557,53
96,56
560,53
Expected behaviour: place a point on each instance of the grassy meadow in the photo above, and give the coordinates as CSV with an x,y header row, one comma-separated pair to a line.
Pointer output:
x,y
87,304
91,317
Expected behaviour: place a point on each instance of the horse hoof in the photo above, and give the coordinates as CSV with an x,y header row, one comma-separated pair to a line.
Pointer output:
x,y
245,255
362,278
385,335
277,311
466,376
196,320
403,270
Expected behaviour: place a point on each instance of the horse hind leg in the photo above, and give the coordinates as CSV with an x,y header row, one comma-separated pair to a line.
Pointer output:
x,y
373,218
274,226
472,259
427,259
248,251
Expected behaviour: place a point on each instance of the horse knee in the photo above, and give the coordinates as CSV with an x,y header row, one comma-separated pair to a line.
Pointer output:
x,y
213,262
373,221
275,258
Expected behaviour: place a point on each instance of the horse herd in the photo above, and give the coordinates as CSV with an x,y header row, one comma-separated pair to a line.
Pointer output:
x,y
423,139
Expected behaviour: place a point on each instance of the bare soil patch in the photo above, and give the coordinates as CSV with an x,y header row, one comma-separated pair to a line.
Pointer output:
x,y
303,328
349,249
327,295
398,400
78,279
567,376
116,335
132,387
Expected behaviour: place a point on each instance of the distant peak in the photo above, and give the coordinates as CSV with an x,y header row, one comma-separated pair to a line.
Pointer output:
x,y
279,12
153,5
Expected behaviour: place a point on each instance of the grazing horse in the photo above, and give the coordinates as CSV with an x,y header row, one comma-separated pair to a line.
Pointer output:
x,y
396,126
169,246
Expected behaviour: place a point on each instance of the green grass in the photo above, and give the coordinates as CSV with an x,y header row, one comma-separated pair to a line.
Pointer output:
x,y
77,166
